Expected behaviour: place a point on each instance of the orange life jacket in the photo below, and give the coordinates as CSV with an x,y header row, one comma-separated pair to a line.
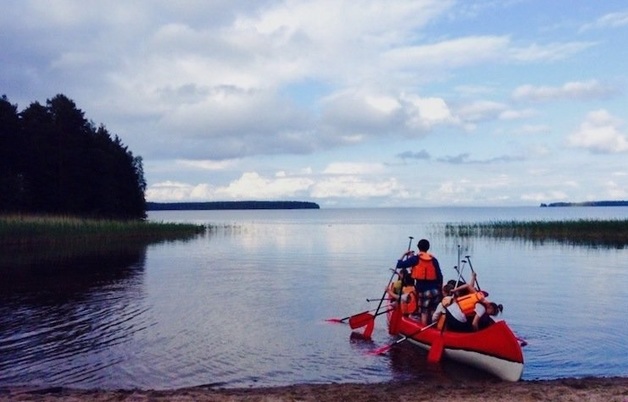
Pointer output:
x,y
424,269
409,306
467,302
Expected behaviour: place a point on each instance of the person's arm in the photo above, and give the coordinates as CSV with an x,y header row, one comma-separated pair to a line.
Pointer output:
x,y
468,286
407,262
440,310
439,273
480,310
392,289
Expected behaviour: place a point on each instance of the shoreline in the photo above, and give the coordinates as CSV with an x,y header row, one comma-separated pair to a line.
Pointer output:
x,y
569,389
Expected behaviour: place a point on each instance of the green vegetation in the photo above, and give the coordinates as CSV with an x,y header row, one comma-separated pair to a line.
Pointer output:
x,y
54,161
221,205
20,229
587,204
613,233
26,239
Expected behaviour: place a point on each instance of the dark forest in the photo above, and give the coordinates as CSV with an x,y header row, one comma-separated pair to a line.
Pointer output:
x,y
54,161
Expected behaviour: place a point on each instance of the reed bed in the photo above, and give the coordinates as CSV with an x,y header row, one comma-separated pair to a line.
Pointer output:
x,y
27,239
612,233
21,229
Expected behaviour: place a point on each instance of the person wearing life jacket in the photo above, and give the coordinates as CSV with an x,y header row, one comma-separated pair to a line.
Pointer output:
x,y
428,278
394,289
467,313
403,290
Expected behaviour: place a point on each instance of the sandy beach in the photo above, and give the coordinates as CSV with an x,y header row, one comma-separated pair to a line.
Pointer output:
x,y
586,389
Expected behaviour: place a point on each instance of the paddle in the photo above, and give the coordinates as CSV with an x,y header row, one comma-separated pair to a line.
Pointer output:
x,y
436,350
381,300
341,320
468,257
386,348
360,320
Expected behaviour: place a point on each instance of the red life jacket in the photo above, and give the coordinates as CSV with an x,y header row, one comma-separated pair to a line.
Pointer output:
x,y
424,269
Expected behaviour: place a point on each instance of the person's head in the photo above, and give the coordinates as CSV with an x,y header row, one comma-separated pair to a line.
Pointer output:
x,y
494,309
453,283
423,245
447,289
407,280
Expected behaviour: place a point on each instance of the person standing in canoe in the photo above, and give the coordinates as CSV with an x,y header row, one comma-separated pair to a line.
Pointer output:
x,y
428,278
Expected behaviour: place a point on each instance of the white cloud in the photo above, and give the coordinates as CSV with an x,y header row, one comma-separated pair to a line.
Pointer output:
x,y
611,20
600,133
206,164
550,196
346,168
354,187
571,90
252,185
214,89
549,52
481,110
173,191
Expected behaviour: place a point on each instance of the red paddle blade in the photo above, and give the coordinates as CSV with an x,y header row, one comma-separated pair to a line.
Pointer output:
x,y
436,350
341,320
360,320
382,350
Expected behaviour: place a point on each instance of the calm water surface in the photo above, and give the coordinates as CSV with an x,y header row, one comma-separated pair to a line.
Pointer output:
x,y
245,305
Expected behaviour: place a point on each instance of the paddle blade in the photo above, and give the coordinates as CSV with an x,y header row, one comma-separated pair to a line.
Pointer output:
x,y
341,320
436,350
360,320
382,350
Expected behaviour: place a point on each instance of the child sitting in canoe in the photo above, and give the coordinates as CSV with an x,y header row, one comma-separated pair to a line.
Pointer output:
x,y
404,285
467,313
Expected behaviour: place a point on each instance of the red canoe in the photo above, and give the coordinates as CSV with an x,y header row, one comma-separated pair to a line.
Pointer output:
x,y
494,349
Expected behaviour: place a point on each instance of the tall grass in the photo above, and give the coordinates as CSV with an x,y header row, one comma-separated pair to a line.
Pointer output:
x,y
26,239
586,232
19,229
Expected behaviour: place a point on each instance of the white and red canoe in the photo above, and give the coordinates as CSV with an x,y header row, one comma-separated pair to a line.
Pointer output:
x,y
494,349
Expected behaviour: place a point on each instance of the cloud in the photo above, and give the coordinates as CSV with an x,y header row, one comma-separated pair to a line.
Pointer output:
x,y
464,159
549,196
611,20
600,133
420,155
583,90
250,186
354,187
481,110
345,168
338,180
551,52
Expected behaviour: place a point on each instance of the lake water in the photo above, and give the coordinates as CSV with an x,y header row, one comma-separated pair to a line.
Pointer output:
x,y
245,305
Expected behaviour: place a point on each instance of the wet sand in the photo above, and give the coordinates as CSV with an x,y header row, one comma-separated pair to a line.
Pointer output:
x,y
586,389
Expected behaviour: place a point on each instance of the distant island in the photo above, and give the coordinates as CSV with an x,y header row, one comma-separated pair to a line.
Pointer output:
x,y
588,204
220,205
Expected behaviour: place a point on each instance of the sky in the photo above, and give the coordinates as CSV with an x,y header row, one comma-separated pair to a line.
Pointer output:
x,y
393,103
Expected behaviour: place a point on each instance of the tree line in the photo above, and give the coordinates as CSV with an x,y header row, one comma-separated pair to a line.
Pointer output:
x,y
220,205
54,161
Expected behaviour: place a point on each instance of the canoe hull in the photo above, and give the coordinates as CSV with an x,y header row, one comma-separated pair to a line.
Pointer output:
x,y
495,349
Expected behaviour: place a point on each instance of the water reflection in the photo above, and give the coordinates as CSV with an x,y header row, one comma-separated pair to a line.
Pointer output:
x,y
60,320
245,305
